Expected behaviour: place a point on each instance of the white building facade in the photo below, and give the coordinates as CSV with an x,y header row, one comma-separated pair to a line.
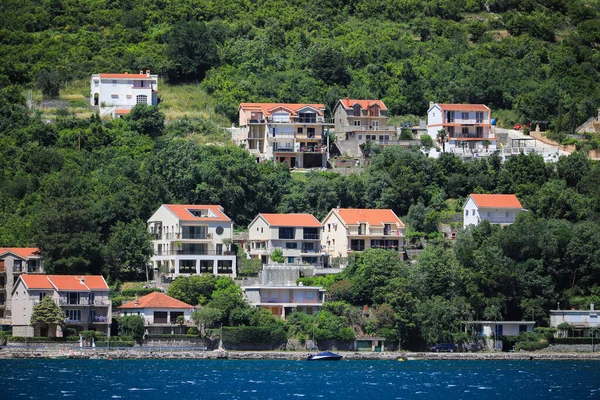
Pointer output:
x,y
117,94
499,209
162,314
192,239
581,321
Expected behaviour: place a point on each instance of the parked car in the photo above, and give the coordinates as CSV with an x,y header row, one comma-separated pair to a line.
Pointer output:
x,y
449,347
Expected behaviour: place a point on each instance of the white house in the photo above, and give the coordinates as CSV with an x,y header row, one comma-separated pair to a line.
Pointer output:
x,y
117,94
297,235
160,313
192,239
276,290
496,208
84,299
468,126
347,230
580,320
493,331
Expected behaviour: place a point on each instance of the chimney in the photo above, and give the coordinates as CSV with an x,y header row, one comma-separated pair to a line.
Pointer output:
x,y
82,280
430,104
591,306
141,71
136,302
126,73
148,73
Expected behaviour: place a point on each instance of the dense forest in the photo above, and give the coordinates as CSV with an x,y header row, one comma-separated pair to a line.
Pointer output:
x,y
82,189
537,58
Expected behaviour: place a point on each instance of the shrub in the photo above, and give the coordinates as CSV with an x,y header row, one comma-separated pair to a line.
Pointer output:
x,y
575,340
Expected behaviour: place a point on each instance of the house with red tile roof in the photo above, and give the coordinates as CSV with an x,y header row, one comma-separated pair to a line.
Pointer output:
x,y
117,94
191,239
83,298
15,261
468,127
290,133
160,313
347,230
298,236
496,208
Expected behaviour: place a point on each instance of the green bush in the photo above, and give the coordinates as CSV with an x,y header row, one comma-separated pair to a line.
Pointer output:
x,y
78,104
530,346
174,336
253,334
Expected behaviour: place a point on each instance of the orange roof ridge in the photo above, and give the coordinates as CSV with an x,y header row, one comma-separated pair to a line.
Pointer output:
x,y
349,103
83,283
372,216
22,252
182,212
155,300
291,219
496,200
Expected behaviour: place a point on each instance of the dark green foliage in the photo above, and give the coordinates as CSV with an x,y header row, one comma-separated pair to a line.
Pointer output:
x,y
193,290
48,83
253,334
47,313
132,326
530,346
576,340
138,292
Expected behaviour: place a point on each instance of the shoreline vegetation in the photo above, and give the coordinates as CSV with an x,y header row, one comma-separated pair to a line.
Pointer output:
x,y
166,353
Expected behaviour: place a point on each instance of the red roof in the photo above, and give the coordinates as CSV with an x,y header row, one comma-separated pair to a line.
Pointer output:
x,y
123,111
125,76
156,300
349,103
23,252
183,212
463,107
496,200
355,216
267,108
82,283
291,220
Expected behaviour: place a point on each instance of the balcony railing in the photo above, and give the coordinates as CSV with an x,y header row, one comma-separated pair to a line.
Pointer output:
x,y
312,149
311,236
184,252
283,149
17,268
100,319
499,220
66,302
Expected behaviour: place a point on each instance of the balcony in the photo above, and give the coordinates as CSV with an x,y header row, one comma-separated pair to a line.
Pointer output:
x,y
100,319
499,220
17,269
256,121
311,236
283,149
312,149
186,252
81,303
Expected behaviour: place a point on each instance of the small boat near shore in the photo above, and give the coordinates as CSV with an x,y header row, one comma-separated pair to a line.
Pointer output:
x,y
324,356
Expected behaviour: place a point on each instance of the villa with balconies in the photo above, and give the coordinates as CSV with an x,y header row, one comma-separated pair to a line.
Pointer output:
x,y
84,300
15,261
468,126
297,235
117,94
289,133
163,315
501,209
191,239
348,230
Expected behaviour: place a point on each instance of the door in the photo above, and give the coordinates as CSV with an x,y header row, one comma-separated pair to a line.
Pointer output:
x,y
2,265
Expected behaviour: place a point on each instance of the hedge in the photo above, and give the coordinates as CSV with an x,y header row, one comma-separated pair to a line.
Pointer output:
x,y
39,339
174,336
531,346
576,340
253,334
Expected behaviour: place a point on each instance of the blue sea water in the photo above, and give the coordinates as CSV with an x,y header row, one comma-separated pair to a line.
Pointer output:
x,y
224,379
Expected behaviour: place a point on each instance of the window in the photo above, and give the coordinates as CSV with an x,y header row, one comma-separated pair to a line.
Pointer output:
x,y
73,315
73,298
290,260
362,229
42,295
96,83
489,214
299,131
291,245
465,131
465,115
375,124
356,110
466,212
479,131
479,117
356,122
450,116
357,244
450,131
359,137
286,233
309,295
141,99
507,214
375,111
310,132
114,82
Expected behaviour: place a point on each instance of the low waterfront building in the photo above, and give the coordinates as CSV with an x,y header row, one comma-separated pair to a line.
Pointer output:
x,y
162,314
580,321
84,300
492,331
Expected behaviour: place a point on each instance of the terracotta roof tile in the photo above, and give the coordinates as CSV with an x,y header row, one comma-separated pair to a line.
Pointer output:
x,y
349,103
496,200
354,216
123,111
126,76
291,220
23,252
65,282
463,107
267,108
156,300
182,211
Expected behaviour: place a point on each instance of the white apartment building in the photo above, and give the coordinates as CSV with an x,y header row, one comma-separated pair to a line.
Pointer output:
x,y
117,94
468,126
192,239
297,235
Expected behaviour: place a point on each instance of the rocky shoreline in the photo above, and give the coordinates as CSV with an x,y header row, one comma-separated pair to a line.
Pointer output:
x,y
137,353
